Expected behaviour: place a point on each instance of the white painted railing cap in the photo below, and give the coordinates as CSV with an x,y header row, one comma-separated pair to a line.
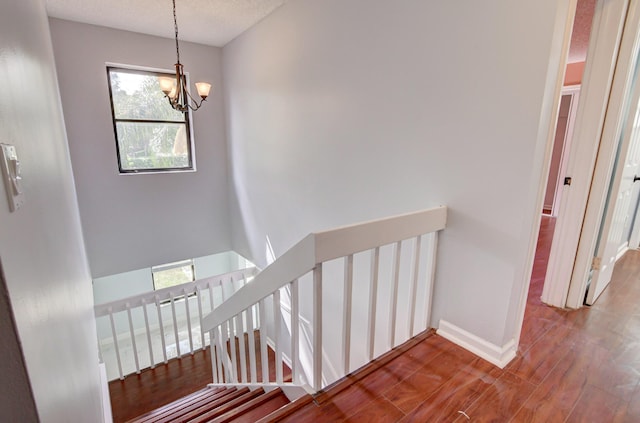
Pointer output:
x,y
327,245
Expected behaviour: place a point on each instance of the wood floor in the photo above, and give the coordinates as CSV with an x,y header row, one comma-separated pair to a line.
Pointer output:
x,y
572,366
153,388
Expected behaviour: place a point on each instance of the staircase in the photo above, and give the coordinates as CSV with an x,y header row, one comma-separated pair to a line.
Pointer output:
x,y
298,327
219,405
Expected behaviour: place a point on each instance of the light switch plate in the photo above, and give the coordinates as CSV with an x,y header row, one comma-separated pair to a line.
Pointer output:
x,y
12,176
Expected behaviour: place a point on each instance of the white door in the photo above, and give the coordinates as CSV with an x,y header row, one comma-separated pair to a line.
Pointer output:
x,y
631,231
572,94
619,211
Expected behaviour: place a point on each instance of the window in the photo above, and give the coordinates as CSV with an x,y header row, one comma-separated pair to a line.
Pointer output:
x,y
150,135
172,274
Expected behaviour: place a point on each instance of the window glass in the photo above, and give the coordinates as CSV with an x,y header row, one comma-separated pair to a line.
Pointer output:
x,y
172,274
150,134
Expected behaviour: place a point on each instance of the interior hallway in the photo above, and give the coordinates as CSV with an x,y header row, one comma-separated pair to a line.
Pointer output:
x,y
572,366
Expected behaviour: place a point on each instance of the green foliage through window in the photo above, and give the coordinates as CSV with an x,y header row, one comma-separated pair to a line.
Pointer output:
x,y
150,134
172,274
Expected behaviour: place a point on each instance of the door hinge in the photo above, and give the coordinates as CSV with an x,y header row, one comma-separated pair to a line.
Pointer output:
x,y
595,264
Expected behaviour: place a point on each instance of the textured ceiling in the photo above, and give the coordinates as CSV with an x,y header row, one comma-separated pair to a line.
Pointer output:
x,y
212,22
216,22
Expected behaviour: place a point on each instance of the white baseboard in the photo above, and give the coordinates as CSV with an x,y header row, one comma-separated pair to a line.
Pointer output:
x,y
499,356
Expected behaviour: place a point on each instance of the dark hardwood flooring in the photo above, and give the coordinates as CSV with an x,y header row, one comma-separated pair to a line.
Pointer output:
x,y
572,366
153,388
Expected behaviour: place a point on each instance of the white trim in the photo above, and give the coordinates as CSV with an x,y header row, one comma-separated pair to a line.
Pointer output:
x,y
494,354
140,68
603,179
622,250
542,159
604,43
104,390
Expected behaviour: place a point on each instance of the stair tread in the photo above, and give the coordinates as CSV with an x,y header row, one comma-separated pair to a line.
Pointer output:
x,y
285,410
254,409
182,402
184,415
222,409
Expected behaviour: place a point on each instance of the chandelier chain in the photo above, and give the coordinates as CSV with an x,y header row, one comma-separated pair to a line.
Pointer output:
x,y
175,26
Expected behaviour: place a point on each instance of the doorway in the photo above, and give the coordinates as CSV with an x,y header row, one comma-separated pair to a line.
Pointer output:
x,y
606,81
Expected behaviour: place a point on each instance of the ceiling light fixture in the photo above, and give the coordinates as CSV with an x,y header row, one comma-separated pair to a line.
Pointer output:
x,y
176,89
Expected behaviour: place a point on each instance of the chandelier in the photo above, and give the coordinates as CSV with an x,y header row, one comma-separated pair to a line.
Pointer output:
x,y
176,89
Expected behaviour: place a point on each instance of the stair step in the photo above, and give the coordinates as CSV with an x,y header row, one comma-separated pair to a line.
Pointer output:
x,y
182,402
228,406
200,407
286,410
254,409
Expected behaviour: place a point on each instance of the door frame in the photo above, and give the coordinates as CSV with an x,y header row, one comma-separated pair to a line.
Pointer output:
x,y
563,28
597,84
602,182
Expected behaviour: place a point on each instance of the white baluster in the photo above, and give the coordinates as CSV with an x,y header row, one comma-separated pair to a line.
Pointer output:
x,y
431,276
224,296
295,332
212,351
115,343
175,325
146,326
161,323
133,338
220,350
277,319
252,345
186,306
232,348
317,327
414,285
373,300
242,356
394,295
264,358
346,314
211,305
199,297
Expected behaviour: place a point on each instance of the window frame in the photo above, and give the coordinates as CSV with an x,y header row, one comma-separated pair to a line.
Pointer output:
x,y
171,266
187,121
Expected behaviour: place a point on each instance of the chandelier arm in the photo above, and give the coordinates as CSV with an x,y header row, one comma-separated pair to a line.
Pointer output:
x,y
193,100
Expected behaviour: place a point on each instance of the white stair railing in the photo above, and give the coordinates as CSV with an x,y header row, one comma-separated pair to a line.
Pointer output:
x,y
152,327
311,288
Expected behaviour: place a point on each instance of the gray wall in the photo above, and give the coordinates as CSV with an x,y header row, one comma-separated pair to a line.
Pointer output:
x,y
41,246
345,111
136,221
